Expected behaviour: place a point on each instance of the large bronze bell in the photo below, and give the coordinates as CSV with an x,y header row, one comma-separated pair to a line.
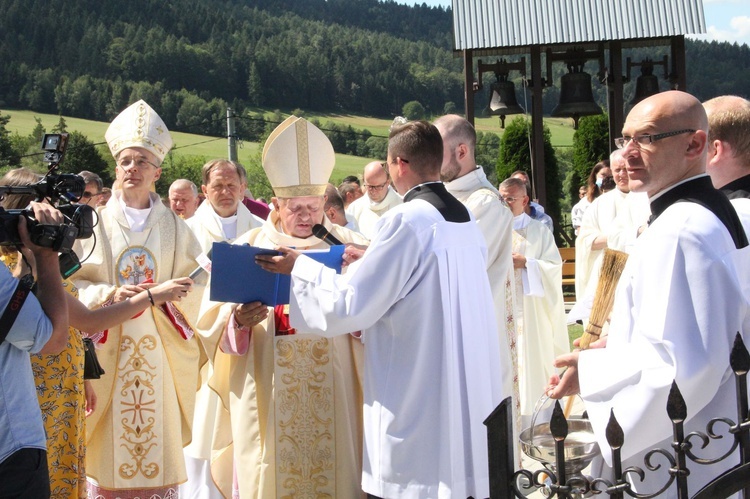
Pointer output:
x,y
503,100
647,84
576,97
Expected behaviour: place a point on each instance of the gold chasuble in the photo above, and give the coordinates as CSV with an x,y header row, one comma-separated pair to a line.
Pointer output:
x,y
294,400
145,400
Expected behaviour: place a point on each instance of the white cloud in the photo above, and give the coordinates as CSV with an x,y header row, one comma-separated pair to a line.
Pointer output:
x,y
739,31
741,25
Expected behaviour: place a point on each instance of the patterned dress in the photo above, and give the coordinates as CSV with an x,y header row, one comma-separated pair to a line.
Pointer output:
x,y
59,387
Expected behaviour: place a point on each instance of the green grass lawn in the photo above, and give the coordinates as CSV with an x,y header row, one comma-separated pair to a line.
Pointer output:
x,y
188,144
574,332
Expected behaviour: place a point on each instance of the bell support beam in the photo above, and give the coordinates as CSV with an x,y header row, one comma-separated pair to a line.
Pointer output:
x,y
537,126
498,67
678,76
616,111
469,85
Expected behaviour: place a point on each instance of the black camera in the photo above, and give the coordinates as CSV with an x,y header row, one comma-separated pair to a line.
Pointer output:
x,y
53,145
79,219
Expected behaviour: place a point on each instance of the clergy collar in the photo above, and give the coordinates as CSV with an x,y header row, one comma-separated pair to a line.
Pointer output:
x,y
414,190
661,193
701,191
738,188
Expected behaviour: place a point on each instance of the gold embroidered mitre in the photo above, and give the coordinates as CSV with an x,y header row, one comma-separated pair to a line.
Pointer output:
x,y
298,159
139,126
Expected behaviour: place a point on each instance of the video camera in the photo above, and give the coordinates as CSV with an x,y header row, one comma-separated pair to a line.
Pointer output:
x,y
60,190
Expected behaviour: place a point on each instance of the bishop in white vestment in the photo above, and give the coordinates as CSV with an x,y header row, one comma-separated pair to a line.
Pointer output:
x,y
421,296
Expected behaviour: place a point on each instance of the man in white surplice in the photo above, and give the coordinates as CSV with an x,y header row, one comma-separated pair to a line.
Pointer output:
x,y
679,302
592,235
540,313
222,217
612,221
467,181
420,295
380,198
729,150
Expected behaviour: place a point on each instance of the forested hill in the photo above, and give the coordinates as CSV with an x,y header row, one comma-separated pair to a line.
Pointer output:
x,y
192,58
87,58
420,22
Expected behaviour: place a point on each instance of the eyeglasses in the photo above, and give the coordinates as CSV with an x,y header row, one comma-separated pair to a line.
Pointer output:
x,y
643,140
139,162
375,188
87,195
509,199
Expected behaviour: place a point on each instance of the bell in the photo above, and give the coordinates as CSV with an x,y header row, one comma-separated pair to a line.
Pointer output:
x,y
503,101
576,97
647,84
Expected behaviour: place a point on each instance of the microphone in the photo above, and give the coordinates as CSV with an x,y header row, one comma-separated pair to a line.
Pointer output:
x,y
204,264
321,232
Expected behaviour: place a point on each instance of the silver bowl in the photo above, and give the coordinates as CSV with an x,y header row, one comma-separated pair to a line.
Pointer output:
x,y
580,445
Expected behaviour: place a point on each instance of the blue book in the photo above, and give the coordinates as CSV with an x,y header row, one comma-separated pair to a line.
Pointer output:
x,y
236,278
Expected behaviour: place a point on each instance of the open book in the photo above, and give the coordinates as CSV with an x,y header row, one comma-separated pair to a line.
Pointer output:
x,y
236,278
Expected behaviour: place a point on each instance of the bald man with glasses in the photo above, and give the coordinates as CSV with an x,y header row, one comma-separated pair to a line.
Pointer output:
x,y
679,302
380,198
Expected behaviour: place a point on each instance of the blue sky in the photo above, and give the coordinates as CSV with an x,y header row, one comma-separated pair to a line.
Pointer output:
x,y
726,20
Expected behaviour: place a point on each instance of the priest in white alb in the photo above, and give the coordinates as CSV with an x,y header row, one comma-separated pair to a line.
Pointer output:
x,y
221,217
612,221
379,198
420,294
596,222
540,314
678,305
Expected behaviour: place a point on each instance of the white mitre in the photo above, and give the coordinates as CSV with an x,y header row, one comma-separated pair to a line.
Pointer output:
x,y
298,159
139,126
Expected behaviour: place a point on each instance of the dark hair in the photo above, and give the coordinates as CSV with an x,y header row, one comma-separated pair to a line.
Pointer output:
x,y
333,198
89,177
347,187
419,143
592,190
351,179
16,177
608,184
215,163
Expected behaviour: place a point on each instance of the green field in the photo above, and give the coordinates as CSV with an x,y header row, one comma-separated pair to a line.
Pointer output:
x,y
23,122
561,129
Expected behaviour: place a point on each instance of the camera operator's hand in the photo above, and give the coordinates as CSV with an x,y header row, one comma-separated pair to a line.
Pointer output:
x,y
126,291
45,214
49,284
173,290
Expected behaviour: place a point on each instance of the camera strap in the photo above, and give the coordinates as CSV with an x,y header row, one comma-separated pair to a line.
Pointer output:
x,y
23,288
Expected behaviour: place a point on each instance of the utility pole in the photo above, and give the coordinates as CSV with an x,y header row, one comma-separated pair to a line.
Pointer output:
x,y
231,139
